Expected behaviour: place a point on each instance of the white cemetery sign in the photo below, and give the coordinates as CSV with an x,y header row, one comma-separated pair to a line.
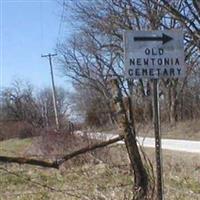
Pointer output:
x,y
154,54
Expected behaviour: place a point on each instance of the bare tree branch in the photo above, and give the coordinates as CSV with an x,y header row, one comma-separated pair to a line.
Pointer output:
x,y
56,164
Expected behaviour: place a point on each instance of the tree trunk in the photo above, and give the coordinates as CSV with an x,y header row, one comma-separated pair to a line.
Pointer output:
x,y
173,102
127,126
149,109
140,174
111,113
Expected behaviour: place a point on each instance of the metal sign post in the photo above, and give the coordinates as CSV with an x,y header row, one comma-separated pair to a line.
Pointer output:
x,y
158,148
154,55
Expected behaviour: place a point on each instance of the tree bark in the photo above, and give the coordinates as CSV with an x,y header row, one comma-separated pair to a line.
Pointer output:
x,y
127,125
173,103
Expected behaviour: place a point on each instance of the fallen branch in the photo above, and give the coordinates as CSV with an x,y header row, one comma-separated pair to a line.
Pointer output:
x,y
23,160
86,149
56,164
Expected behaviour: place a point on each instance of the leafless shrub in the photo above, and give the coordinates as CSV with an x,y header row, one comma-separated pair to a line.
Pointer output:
x,y
16,129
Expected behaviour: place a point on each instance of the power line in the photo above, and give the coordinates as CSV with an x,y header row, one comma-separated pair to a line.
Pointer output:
x,y
60,23
61,18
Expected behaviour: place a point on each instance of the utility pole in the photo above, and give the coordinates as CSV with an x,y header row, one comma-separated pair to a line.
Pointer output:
x,y
53,89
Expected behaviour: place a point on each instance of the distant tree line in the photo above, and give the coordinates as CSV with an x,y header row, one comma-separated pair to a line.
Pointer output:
x,y
23,105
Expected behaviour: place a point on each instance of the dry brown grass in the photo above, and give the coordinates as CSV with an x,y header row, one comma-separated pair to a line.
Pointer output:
x,y
107,179
181,174
181,130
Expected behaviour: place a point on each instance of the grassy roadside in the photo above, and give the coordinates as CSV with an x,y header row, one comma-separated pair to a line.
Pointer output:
x,y
94,181
181,174
14,146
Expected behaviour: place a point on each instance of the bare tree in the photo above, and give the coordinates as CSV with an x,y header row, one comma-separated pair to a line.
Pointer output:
x,y
97,55
19,104
182,14
45,103
95,52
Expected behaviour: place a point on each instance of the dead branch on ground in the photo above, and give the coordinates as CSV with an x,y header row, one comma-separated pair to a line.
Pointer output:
x,y
58,162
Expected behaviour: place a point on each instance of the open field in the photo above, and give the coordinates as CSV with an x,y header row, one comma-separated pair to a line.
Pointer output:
x,y
94,181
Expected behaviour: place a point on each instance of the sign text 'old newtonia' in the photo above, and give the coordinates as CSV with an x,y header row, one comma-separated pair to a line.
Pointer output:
x,y
154,54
